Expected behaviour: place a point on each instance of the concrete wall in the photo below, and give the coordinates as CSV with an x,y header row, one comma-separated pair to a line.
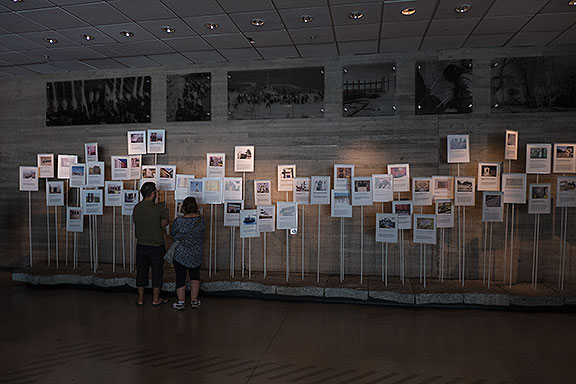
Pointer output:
x,y
314,145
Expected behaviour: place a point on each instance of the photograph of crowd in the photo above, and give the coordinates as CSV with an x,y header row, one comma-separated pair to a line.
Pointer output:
x,y
369,90
188,97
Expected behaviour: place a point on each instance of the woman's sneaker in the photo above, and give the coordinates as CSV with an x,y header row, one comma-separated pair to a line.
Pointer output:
x,y
195,303
179,305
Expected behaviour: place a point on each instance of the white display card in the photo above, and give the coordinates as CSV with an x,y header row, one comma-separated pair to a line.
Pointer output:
x,y
287,217
74,220
149,174
464,191
538,158
120,169
95,174
91,152
386,228
564,160
45,165
267,218
511,147
135,167
136,142
320,193
286,175
443,187
113,193
212,190
129,200
458,148
28,178
488,176
382,188
92,201
425,229
244,159
361,191
156,141
301,191
422,191
249,223
54,193
64,163
540,198
166,177
343,174
232,188
492,207
404,210
262,194
215,164
341,204
232,213
195,188
444,213
566,191
77,175
182,183
514,188
400,176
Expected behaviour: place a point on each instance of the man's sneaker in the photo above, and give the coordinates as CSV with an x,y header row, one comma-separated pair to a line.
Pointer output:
x,y
179,305
195,303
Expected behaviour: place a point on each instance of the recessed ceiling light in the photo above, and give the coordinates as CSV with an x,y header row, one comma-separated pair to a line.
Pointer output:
x,y
250,40
50,40
408,11
88,37
463,8
306,18
127,33
211,26
17,1
168,29
257,22
355,15
572,2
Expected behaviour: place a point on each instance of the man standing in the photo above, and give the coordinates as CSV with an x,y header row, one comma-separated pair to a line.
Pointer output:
x,y
149,219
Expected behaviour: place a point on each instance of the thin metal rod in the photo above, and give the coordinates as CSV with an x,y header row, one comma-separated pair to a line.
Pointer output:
x,y
113,239
215,239
424,265
30,223
48,228
303,241
287,254
123,245
250,258
318,253
264,254
66,196
91,239
564,248
484,258
210,252
386,272
534,250
361,243
490,257
463,245
504,263
243,259
460,272
512,230
56,235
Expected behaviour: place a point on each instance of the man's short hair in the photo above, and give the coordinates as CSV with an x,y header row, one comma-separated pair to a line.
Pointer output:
x,y
147,189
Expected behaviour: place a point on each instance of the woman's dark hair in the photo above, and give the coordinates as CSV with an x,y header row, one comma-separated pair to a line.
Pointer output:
x,y
189,205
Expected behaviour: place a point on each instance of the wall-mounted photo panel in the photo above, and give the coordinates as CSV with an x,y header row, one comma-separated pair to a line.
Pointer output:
x,y
286,175
195,188
113,193
458,148
424,229
232,188
386,228
320,193
514,188
77,175
232,213
287,215
74,220
244,158
404,210
400,176
493,207
95,174
301,191
538,158
444,213
129,199
422,191
166,177
382,188
215,164
249,223
343,174
120,167
92,202
488,176
136,142
566,191
135,164
54,193
464,191
188,97
564,160
90,152
540,198
262,192
45,165
266,218
443,187
369,90
64,163
156,141
212,190
341,204
511,147
361,191
182,183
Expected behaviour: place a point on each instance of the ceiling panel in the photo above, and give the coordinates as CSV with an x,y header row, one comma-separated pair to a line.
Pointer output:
x,y
568,37
550,22
235,40
320,17
44,68
194,8
312,35
104,64
39,38
271,20
152,47
225,24
28,4
358,32
371,13
73,65
404,29
204,57
424,10
79,53
281,4
451,27
17,58
98,13
270,38
503,24
318,50
54,18
525,39
47,55
71,2
183,44
17,43
114,50
278,52
155,27
402,44
137,62
77,35
140,10
15,23
358,47
442,42
555,6
170,59
495,40
516,7
240,54
232,6
447,9
114,31
16,71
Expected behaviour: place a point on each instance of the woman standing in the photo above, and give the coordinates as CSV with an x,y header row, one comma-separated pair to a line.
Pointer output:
x,y
189,231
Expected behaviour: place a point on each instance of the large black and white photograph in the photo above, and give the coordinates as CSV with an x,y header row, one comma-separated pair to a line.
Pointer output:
x,y
444,87
188,97
369,90
292,93
533,84
121,100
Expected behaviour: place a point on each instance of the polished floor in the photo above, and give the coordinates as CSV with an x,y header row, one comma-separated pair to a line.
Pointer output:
x,y
86,336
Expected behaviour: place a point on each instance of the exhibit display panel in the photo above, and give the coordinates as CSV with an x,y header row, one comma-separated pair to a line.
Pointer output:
x,y
369,90
188,97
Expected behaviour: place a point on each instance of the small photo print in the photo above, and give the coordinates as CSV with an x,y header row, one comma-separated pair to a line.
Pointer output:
x,y
344,172
262,187
386,223
137,138
422,186
565,152
489,170
233,207
196,186
216,161
288,211
514,183
403,209
166,173
511,139
95,170
458,143
250,220
92,198
114,189
302,187
445,208
148,173
398,172
65,161
540,193
567,186
384,183
77,171
361,186
464,186
232,185
212,186
55,189
442,184
135,162
91,150
493,201
287,173
244,155
75,214
424,223
538,153
341,198
130,197
320,185
120,163
265,214
29,174
45,161
156,137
